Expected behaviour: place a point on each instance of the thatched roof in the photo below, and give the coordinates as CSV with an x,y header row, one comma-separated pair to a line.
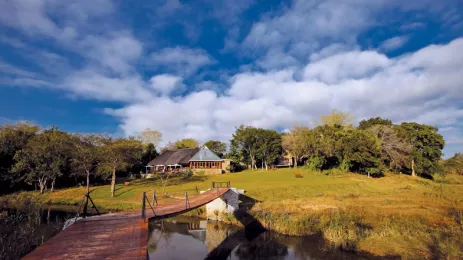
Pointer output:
x,y
180,156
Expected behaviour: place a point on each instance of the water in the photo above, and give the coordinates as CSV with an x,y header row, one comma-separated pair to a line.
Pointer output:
x,y
190,238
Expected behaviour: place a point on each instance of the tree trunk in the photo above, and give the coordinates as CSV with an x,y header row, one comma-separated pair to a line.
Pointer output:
x,y
295,162
42,188
53,184
113,182
88,182
413,168
266,166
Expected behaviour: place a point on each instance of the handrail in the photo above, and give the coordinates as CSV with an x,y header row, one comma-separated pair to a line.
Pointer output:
x,y
143,207
220,184
85,203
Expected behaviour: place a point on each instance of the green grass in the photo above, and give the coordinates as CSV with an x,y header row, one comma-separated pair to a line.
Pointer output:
x,y
389,216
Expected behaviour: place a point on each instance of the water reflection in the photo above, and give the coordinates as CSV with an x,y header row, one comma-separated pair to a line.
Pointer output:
x,y
187,238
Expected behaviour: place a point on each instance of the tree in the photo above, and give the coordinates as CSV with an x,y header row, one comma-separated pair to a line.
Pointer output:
x,y
337,118
43,159
360,152
118,153
365,124
454,165
245,142
181,144
13,138
150,136
297,142
269,147
149,153
217,147
85,155
394,151
427,147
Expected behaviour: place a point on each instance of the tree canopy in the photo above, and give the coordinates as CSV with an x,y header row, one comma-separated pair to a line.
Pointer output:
x,y
217,147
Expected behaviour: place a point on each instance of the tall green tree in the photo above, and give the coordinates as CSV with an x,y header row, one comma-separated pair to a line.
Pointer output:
x,y
217,147
360,152
181,144
86,154
365,124
118,154
427,147
13,138
44,158
149,153
269,147
245,142
297,143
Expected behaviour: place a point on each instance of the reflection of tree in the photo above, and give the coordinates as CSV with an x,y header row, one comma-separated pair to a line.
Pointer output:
x,y
159,232
263,247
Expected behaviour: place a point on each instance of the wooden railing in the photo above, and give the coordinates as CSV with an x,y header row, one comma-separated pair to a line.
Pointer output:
x,y
221,184
84,204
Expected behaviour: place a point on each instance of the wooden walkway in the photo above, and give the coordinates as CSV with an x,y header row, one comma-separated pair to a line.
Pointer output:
x,y
114,236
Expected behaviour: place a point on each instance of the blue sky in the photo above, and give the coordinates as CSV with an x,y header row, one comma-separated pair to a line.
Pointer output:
x,y
200,68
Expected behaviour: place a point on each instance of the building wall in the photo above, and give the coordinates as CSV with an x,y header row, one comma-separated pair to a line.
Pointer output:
x,y
208,171
227,203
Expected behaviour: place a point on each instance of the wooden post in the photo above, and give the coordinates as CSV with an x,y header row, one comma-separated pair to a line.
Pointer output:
x,y
154,197
197,191
85,205
186,200
143,205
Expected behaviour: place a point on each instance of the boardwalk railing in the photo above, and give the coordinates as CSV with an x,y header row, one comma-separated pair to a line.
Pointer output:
x,y
221,184
143,207
84,204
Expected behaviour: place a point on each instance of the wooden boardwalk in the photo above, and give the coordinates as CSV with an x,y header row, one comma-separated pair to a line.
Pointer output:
x,y
114,236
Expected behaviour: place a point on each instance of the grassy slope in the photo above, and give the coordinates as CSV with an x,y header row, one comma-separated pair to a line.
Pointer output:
x,y
394,215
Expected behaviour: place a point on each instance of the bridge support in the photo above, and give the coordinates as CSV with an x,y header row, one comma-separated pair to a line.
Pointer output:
x,y
225,204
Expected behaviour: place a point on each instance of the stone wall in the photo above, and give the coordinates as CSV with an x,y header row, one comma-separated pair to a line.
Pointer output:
x,y
208,171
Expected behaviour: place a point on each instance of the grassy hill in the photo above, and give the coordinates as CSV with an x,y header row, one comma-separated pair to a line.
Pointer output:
x,y
389,216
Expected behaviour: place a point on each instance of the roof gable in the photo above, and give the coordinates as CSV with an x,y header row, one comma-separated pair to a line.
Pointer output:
x,y
180,156
204,154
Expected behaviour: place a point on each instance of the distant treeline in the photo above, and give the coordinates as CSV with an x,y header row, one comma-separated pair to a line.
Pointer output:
x,y
45,159
375,146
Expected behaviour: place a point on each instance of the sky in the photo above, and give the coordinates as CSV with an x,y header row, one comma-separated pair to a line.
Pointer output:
x,y
199,69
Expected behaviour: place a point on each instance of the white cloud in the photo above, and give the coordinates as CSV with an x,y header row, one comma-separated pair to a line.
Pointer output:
x,y
411,87
91,84
181,60
165,83
394,43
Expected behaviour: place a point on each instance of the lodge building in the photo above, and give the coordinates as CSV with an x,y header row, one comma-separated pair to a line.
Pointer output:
x,y
197,159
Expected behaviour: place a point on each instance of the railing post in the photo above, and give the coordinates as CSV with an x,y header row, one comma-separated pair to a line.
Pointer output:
x,y
86,205
186,200
143,205
154,197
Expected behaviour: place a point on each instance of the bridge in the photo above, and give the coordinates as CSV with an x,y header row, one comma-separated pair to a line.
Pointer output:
x,y
121,235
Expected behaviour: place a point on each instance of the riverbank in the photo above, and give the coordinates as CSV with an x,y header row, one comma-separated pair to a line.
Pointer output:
x,y
396,215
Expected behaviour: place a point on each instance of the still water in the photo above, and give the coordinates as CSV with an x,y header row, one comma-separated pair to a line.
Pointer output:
x,y
190,238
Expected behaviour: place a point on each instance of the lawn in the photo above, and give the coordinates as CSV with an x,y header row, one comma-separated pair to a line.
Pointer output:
x,y
389,216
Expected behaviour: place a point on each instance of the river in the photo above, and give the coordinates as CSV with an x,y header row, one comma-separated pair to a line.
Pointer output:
x,y
174,238
190,238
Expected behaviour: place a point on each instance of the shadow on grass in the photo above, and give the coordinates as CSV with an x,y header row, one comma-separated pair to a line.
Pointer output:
x,y
117,195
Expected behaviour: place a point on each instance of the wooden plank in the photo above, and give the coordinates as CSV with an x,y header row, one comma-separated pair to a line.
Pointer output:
x,y
121,235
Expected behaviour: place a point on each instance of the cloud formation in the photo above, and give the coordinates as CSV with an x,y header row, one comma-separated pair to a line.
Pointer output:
x,y
289,64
